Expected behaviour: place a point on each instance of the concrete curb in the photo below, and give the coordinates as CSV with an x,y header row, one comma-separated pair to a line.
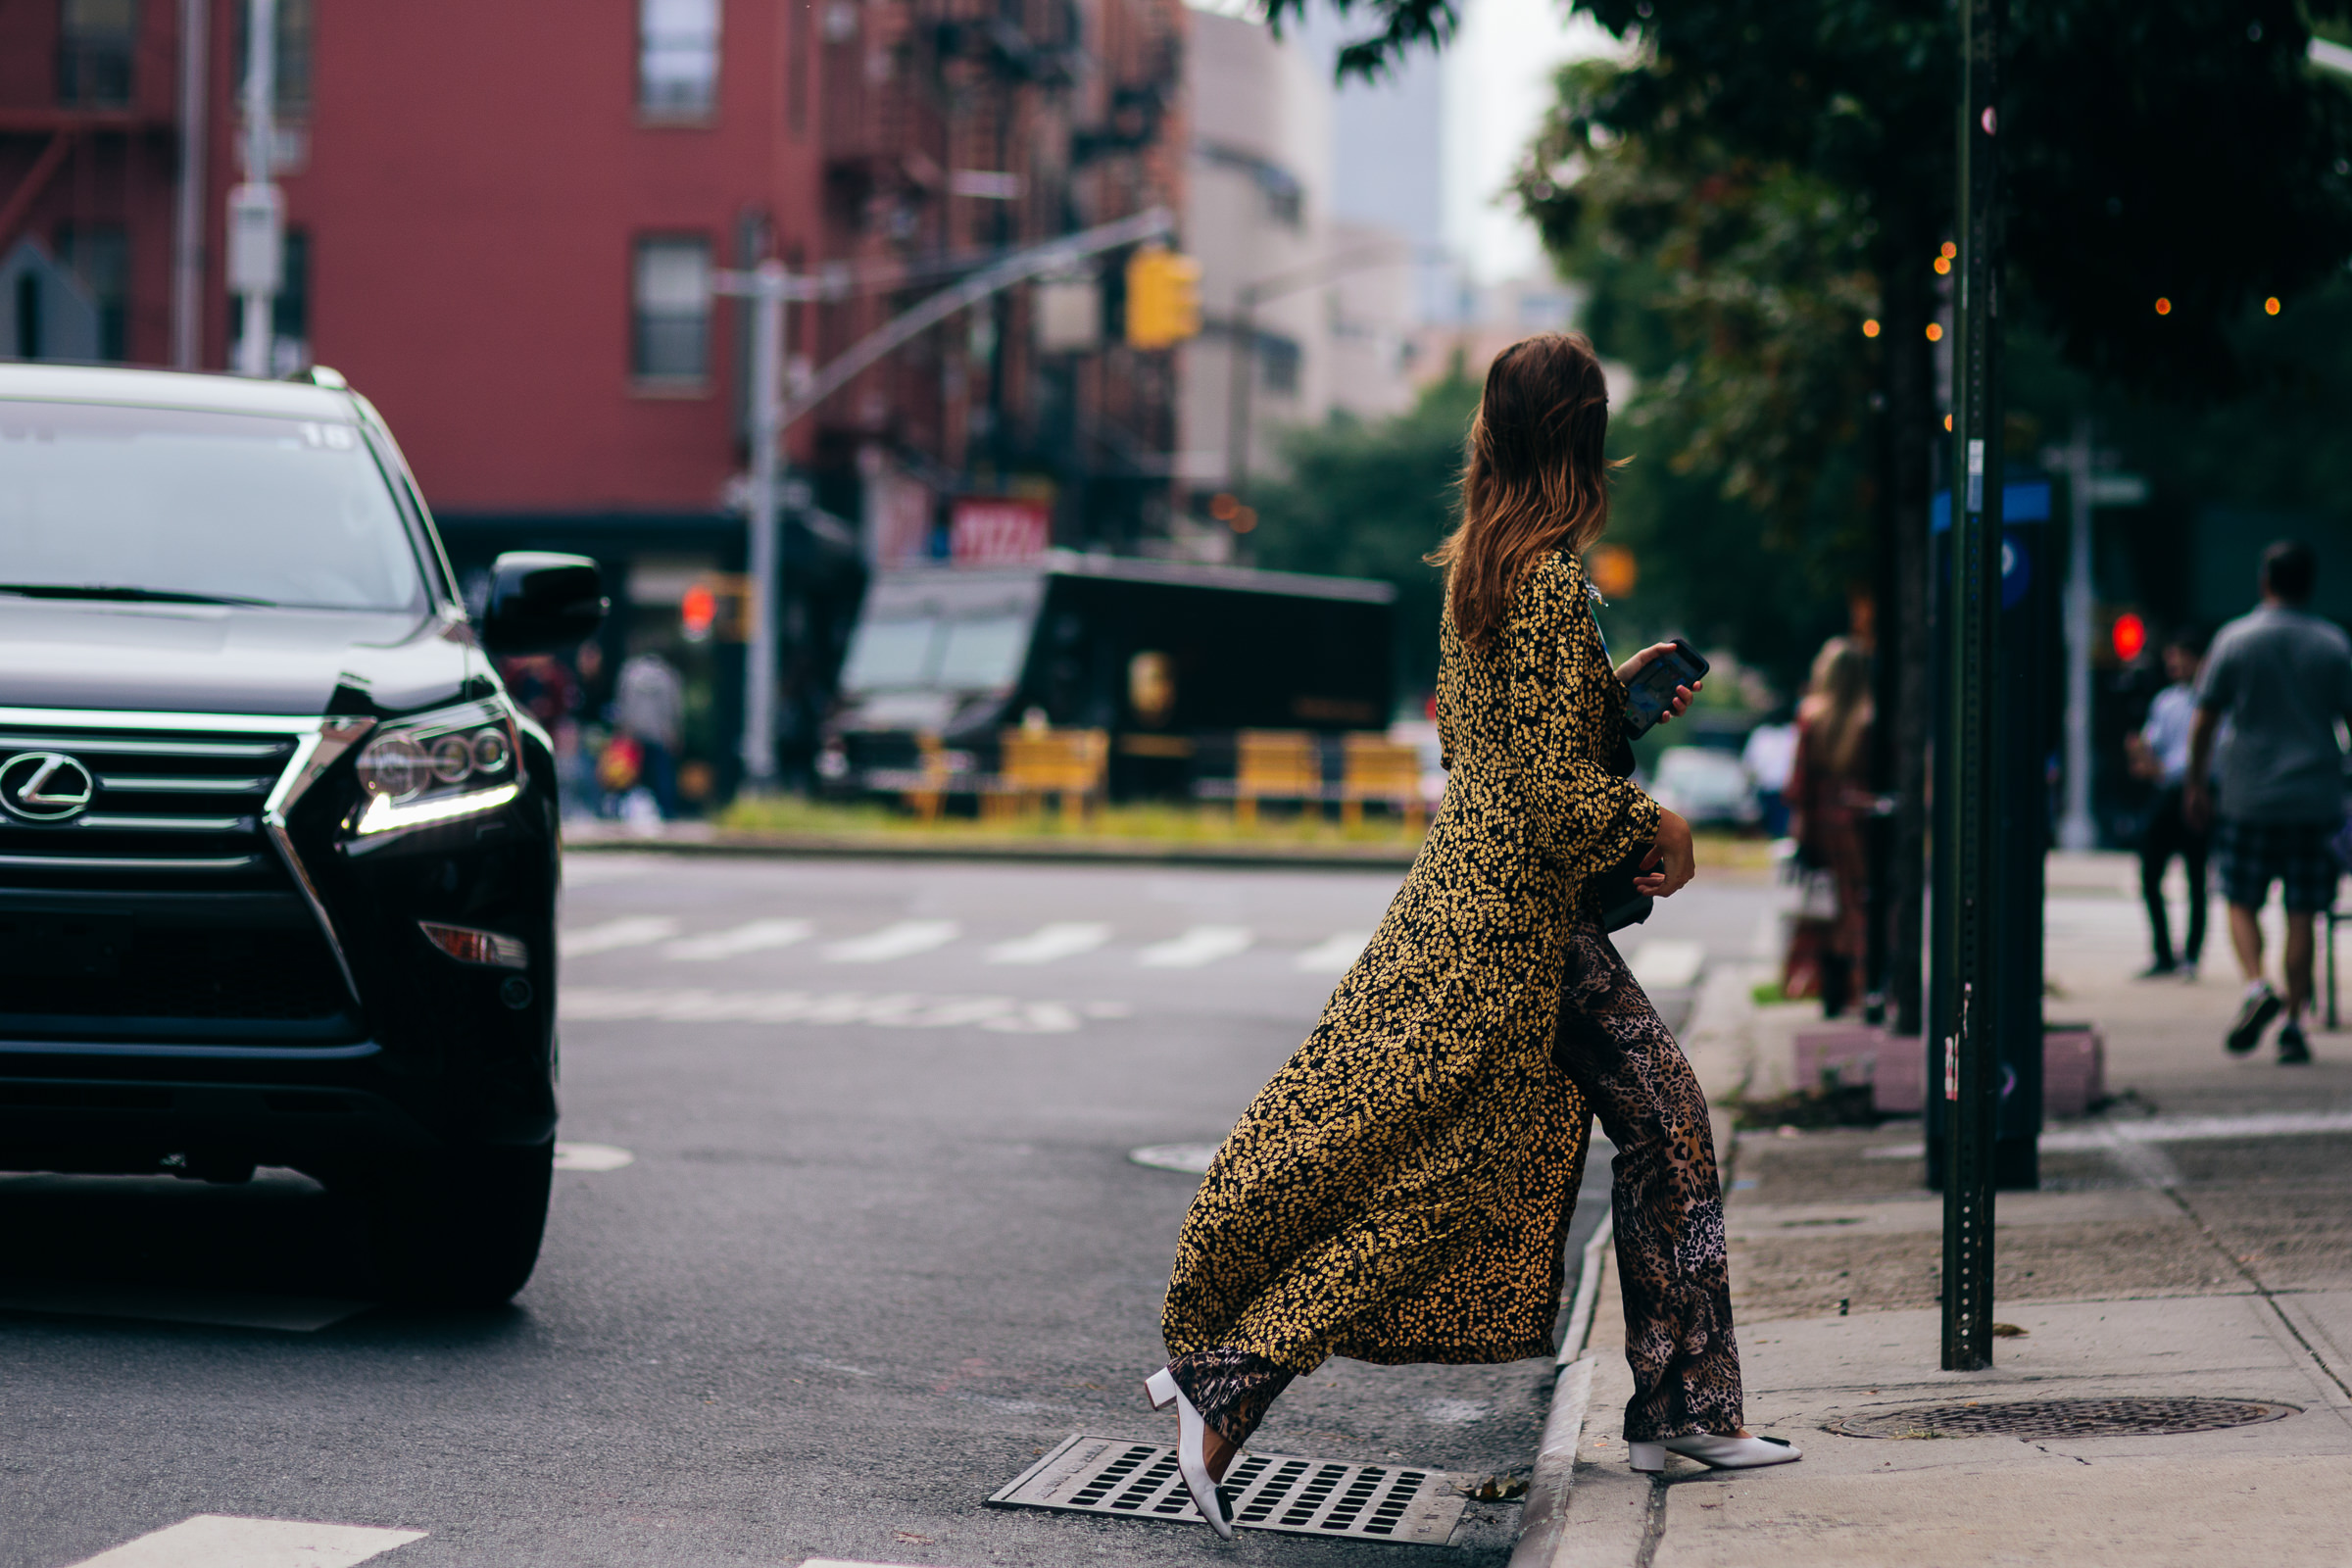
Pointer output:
x,y
787,846
1545,1520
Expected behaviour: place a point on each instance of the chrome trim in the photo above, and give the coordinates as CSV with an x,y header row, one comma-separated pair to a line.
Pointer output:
x,y
142,784
314,754
117,863
101,1047
165,824
255,750
112,718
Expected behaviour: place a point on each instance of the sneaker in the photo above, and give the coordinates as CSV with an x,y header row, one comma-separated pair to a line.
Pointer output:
x,y
2261,1006
2293,1052
2189,973
2158,971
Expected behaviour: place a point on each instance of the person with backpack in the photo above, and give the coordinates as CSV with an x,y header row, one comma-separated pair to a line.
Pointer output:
x,y
2281,677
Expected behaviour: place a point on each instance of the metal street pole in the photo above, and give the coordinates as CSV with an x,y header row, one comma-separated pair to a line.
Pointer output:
x,y
187,218
2075,829
1969,762
769,287
257,218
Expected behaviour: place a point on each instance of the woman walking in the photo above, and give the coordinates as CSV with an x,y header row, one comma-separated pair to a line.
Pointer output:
x,y
1400,1192
1828,792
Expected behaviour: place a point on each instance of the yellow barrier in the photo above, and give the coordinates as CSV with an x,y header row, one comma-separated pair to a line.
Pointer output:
x,y
1073,764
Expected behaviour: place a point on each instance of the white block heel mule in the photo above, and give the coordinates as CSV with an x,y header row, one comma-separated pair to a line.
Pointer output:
x,y
1192,1443
1722,1454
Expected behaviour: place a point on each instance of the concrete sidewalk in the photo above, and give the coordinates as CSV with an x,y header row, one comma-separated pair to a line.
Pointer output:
x,y
2216,1266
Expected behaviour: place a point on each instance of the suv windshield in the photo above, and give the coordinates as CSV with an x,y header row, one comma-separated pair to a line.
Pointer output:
x,y
167,503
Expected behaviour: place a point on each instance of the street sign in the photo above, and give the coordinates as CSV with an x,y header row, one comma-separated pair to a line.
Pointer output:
x,y
257,217
2118,489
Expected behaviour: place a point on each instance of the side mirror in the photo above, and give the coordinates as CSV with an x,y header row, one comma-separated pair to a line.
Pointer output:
x,y
540,604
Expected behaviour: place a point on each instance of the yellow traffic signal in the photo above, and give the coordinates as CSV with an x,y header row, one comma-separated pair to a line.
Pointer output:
x,y
1163,298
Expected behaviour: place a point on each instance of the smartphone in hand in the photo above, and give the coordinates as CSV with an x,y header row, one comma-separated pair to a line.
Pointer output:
x,y
1650,692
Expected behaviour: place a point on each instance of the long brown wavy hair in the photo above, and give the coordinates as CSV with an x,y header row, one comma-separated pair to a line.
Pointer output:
x,y
1534,477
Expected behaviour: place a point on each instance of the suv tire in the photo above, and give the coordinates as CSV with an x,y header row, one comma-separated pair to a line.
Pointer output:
x,y
460,1228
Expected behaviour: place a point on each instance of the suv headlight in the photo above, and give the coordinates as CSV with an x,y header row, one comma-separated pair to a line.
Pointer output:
x,y
436,767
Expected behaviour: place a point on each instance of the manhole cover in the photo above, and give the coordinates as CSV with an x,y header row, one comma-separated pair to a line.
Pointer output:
x,y
1266,1491
2062,1418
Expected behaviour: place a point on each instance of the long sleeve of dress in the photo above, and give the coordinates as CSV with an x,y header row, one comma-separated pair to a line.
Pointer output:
x,y
1564,696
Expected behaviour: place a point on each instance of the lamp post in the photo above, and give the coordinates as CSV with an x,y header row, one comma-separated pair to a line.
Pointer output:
x,y
767,286
257,218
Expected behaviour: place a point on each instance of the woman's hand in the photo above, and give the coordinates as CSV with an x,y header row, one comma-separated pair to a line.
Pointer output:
x,y
1671,862
1641,661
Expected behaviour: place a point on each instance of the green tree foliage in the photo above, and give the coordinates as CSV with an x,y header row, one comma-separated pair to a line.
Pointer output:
x,y
1369,500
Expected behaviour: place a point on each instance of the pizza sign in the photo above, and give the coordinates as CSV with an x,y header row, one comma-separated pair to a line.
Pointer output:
x,y
998,529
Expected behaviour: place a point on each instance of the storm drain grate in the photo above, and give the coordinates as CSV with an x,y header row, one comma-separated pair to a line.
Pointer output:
x,y
1266,1491
2063,1418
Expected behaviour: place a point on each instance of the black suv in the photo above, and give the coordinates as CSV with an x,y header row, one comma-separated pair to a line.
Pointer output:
x,y
278,857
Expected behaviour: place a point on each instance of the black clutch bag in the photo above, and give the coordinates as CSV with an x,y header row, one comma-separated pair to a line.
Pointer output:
x,y
1621,905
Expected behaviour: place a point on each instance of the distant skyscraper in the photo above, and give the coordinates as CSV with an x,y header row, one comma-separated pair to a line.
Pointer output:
x,y
1387,167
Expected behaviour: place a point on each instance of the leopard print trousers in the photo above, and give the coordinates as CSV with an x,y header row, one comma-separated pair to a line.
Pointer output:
x,y
1230,1387
1672,1263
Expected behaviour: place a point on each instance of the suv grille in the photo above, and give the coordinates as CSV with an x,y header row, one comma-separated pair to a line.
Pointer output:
x,y
173,810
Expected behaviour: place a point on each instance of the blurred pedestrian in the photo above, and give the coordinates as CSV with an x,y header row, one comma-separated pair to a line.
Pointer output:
x,y
1770,755
2281,678
649,705
1401,1189
2159,753
1829,791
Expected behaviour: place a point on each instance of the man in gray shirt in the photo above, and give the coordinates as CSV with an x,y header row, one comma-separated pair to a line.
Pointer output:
x,y
2281,677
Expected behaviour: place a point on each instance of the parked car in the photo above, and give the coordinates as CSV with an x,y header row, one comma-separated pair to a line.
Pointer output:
x,y
278,855
1707,786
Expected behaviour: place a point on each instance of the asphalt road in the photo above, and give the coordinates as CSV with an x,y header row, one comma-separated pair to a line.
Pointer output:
x,y
878,1245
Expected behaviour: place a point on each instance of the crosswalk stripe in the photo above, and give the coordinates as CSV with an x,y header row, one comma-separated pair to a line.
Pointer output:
x,y
630,931
898,1009
900,940
1203,943
1665,964
1064,938
1334,954
754,937
223,1541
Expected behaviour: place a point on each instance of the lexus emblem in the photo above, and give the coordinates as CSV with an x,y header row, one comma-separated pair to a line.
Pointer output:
x,y
45,786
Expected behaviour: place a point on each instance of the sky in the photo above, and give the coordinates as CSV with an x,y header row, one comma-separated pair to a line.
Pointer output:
x,y
1427,150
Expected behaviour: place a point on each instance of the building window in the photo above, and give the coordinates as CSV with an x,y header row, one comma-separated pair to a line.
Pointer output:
x,y
677,59
95,41
291,62
673,315
100,256
1278,363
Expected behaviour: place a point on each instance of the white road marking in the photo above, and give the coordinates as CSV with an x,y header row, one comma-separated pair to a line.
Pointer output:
x,y
901,940
168,1304
1203,943
223,1540
754,937
592,1156
1663,964
891,1010
1064,938
630,931
2166,1130
1186,1159
1334,954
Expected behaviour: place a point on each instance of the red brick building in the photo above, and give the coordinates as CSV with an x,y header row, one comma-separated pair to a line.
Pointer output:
x,y
502,224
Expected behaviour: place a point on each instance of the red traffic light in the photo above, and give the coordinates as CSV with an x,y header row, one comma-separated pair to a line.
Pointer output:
x,y
698,611
2130,635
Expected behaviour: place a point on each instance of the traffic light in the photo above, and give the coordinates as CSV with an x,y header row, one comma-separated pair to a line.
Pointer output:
x,y
1163,298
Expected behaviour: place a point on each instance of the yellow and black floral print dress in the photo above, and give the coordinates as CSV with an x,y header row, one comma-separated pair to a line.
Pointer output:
x,y
1402,1189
